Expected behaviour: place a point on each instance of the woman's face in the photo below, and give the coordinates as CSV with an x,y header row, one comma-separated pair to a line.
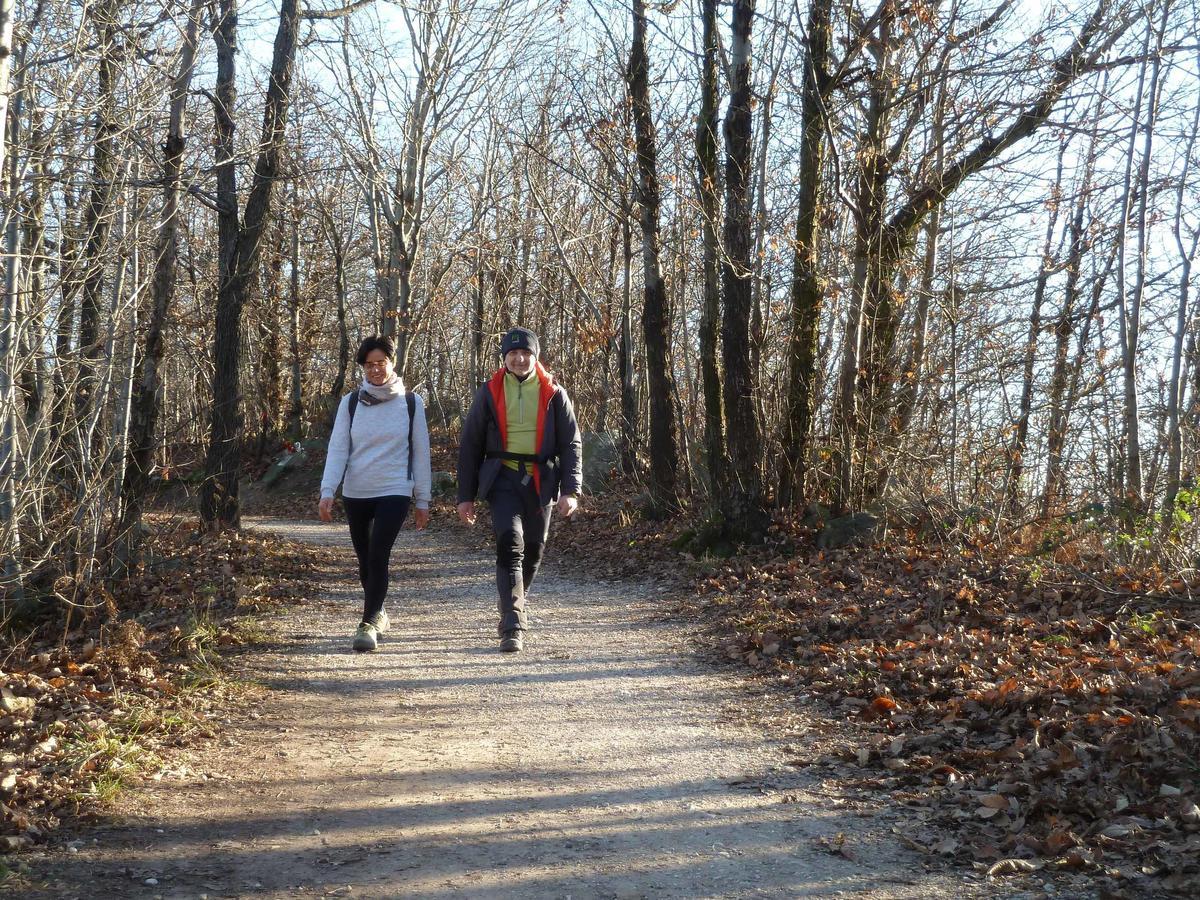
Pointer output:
x,y
378,367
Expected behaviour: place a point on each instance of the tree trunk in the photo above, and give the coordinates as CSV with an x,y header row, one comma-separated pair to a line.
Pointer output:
x,y
145,404
37,415
1056,434
122,428
1020,443
10,552
743,506
629,403
900,230
339,269
219,506
219,503
97,216
268,405
912,373
710,210
807,295
656,330
1130,313
478,369
296,415
870,282
1079,243
1187,255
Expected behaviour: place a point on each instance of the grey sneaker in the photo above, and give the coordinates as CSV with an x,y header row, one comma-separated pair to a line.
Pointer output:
x,y
511,642
380,621
366,637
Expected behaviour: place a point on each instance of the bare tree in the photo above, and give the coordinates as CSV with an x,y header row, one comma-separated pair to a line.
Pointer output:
x,y
1186,246
1130,308
11,550
708,190
807,295
147,399
655,314
240,244
744,505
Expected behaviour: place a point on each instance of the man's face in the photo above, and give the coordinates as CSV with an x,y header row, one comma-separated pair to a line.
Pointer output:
x,y
519,362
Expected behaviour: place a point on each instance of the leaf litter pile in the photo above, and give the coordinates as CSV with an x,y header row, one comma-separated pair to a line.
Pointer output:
x,y
1037,720
87,705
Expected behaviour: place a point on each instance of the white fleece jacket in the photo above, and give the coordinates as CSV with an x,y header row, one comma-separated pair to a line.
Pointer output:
x,y
372,461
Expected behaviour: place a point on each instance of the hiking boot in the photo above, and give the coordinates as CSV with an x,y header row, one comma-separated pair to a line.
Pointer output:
x,y
511,642
379,621
366,637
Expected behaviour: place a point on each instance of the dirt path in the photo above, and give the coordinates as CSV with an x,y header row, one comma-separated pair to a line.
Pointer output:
x,y
604,761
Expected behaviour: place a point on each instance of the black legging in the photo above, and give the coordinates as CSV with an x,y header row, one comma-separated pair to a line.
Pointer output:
x,y
374,524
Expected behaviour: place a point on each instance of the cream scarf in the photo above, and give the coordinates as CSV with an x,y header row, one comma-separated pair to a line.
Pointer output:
x,y
381,393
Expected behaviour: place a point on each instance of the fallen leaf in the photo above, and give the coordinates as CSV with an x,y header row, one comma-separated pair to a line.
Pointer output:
x,y
1013,867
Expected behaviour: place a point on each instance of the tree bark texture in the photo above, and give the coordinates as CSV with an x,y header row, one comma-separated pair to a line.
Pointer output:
x,y
709,192
146,399
1020,442
656,330
11,550
219,500
807,295
296,413
1130,313
1056,432
98,213
1175,391
743,506
629,403
869,284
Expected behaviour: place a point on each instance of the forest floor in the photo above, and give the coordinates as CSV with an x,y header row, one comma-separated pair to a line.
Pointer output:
x,y
896,722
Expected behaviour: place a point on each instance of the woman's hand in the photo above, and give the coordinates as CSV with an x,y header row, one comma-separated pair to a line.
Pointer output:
x,y
421,518
567,504
466,512
325,509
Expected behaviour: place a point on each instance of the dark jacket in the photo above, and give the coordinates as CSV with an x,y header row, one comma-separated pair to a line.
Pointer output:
x,y
560,450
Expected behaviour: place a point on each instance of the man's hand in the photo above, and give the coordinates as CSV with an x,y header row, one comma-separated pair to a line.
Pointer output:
x,y
325,509
567,504
466,512
421,518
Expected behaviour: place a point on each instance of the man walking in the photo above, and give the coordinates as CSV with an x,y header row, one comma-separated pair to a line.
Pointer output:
x,y
520,450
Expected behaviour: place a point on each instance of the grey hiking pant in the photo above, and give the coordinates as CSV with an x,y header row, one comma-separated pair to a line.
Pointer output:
x,y
521,525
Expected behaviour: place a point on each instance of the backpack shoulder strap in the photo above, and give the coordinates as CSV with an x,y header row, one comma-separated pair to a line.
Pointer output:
x,y
410,400
351,405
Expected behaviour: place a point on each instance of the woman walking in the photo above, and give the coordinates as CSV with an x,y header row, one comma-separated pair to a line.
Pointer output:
x,y
379,453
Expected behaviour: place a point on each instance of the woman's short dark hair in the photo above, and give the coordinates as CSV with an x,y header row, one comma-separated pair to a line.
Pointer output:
x,y
375,342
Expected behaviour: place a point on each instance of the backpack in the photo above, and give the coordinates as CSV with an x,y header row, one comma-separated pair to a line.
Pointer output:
x,y
410,400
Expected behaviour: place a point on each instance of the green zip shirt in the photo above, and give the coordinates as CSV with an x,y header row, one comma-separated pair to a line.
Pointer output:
x,y
520,401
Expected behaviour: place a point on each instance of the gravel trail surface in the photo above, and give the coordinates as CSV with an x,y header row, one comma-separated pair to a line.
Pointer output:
x,y
605,761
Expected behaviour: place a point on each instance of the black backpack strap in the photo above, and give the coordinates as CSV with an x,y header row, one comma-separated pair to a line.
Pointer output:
x,y
351,405
410,400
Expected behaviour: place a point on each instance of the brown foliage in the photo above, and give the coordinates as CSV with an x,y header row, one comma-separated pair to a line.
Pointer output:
x,y
85,712
1054,718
